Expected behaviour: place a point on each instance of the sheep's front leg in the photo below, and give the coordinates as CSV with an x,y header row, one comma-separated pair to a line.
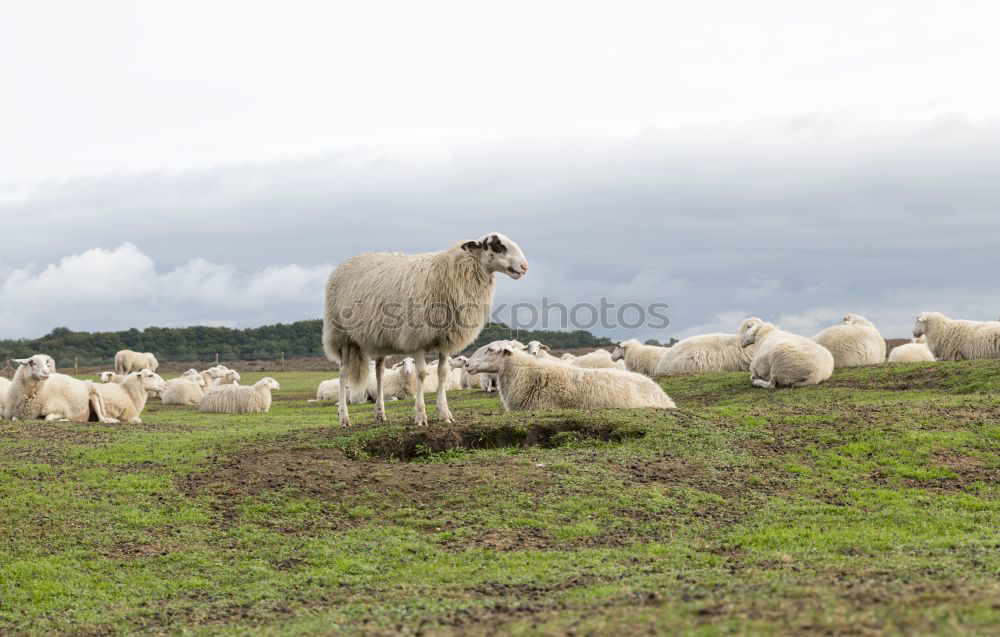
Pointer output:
x,y
379,399
444,414
419,411
52,417
345,419
760,382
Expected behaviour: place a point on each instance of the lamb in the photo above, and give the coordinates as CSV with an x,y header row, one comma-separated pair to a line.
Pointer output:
x,y
528,383
853,342
448,296
189,389
640,358
115,402
915,352
716,352
4,388
38,393
956,340
111,377
127,361
240,399
783,359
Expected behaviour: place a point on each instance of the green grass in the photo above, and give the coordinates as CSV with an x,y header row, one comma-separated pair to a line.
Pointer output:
x,y
868,504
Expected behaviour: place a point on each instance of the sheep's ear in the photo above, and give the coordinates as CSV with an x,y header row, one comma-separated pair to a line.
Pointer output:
x,y
506,352
20,361
546,348
469,246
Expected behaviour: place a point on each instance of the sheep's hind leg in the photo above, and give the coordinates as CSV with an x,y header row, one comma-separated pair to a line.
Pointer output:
x,y
379,399
760,382
345,419
444,414
419,411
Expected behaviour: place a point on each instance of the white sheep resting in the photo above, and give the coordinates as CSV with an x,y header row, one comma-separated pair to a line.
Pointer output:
x,y
644,359
465,379
382,304
718,352
783,359
957,340
227,377
127,361
529,383
855,341
117,402
4,388
187,390
598,359
240,399
37,393
111,377
915,352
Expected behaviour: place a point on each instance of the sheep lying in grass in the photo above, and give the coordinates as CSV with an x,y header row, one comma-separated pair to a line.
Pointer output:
x,y
114,402
853,342
111,377
783,359
227,377
598,359
717,352
957,340
4,388
457,283
644,359
37,393
240,399
127,361
914,352
189,389
465,379
529,383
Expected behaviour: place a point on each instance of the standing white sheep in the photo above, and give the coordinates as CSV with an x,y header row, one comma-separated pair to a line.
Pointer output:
x,y
37,393
528,383
913,352
958,340
853,342
115,402
240,399
127,361
717,352
382,304
783,359
644,359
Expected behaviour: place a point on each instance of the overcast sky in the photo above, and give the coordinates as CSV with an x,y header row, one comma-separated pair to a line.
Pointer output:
x,y
176,163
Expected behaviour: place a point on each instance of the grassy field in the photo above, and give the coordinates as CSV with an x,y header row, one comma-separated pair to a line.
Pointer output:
x,y
867,505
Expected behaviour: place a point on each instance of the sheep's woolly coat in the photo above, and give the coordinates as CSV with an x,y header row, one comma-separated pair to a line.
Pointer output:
x,y
783,359
854,342
390,303
717,352
127,361
60,397
116,402
957,340
643,359
240,399
528,383
915,352
397,383
181,391
598,359
4,388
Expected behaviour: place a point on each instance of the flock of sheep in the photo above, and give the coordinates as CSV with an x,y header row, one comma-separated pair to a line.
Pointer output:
x,y
38,392
459,282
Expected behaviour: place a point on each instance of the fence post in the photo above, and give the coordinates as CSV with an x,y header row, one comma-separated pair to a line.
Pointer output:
x,y
282,361
76,365
216,358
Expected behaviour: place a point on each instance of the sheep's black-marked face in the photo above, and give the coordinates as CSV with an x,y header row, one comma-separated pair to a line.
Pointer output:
x,y
499,253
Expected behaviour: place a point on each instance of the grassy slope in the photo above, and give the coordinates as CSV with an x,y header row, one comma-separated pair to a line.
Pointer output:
x,y
868,504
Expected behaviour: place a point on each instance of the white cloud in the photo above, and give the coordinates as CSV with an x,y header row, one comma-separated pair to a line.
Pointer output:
x,y
102,289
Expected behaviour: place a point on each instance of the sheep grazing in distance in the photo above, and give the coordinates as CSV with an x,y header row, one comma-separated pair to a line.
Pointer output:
x,y
528,383
114,402
914,352
644,359
240,399
783,359
127,361
4,388
38,393
448,295
717,352
957,340
855,341
111,377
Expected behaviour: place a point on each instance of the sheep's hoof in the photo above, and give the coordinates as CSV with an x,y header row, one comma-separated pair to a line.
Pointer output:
x,y
379,418
345,423
445,416
420,421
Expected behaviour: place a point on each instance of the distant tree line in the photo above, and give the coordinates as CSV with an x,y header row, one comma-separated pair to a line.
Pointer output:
x,y
199,343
